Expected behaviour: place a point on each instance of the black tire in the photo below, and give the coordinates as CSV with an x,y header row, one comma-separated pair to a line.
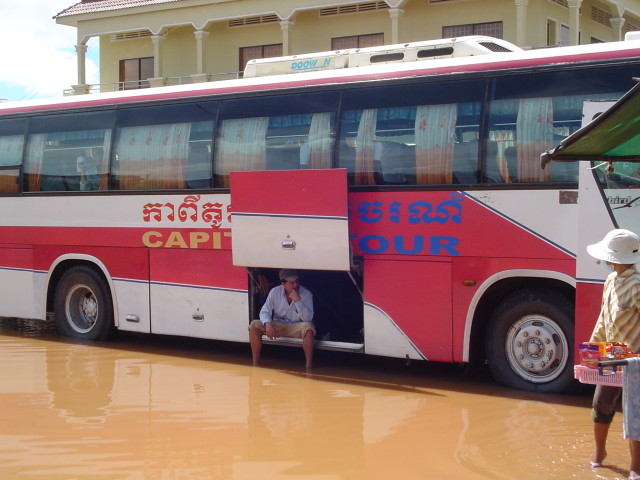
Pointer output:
x,y
82,305
529,342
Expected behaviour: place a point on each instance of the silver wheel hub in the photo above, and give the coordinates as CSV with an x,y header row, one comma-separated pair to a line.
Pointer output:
x,y
536,348
81,308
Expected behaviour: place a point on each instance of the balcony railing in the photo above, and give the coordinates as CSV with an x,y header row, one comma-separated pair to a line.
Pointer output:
x,y
136,85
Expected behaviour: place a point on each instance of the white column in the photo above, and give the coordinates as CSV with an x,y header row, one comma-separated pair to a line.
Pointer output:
x,y
521,22
286,26
395,14
574,21
158,80
157,54
200,75
201,36
81,52
81,88
617,23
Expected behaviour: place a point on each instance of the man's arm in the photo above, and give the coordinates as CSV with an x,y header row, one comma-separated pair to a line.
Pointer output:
x,y
304,307
266,312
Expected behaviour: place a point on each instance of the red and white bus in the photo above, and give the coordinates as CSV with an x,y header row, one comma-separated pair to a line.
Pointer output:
x,y
409,193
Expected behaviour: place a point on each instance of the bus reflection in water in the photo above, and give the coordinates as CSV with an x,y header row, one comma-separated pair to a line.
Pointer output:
x,y
122,411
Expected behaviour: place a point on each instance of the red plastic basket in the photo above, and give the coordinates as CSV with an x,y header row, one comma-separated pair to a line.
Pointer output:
x,y
594,377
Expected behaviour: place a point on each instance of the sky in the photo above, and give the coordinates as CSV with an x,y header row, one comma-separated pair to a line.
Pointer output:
x,y
38,57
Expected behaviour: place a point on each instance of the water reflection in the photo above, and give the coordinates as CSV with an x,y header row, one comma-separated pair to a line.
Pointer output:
x,y
171,409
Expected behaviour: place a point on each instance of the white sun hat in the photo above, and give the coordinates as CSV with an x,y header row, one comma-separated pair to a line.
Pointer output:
x,y
618,246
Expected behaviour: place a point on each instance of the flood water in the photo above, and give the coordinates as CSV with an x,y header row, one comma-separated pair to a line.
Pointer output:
x,y
166,408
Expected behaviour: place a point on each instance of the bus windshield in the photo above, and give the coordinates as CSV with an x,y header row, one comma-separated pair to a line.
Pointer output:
x,y
621,190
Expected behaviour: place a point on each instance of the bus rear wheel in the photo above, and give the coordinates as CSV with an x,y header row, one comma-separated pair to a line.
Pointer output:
x,y
529,342
82,305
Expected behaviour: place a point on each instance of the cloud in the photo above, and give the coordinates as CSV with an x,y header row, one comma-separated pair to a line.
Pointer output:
x,y
38,57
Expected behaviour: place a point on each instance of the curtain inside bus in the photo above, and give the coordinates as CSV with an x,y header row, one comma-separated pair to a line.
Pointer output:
x,y
320,141
153,156
241,146
435,128
534,134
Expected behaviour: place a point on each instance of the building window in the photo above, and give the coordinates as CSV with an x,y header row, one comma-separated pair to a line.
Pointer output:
x,y
259,51
491,29
357,41
564,35
552,27
134,73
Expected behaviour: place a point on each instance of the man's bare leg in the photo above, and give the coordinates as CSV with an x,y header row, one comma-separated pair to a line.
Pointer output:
x,y
307,346
600,432
634,471
255,340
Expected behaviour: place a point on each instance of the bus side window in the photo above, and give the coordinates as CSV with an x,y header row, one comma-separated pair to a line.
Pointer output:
x,y
56,142
152,157
163,147
465,162
529,114
53,161
282,142
412,134
10,159
240,146
521,129
198,166
293,132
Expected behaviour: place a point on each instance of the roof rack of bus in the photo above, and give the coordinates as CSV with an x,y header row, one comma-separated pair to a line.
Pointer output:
x,y
360,57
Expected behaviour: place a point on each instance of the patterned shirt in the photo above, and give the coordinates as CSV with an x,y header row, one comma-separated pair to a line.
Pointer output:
x,y
278,308
619,319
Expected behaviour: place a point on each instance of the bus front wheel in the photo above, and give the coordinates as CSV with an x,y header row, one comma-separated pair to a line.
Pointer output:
x,y
82,305
529,342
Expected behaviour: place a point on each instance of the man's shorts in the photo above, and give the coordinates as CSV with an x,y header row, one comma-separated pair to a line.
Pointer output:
x,y
605,399
284,329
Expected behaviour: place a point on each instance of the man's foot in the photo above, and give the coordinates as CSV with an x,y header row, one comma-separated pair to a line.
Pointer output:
x,y
597,460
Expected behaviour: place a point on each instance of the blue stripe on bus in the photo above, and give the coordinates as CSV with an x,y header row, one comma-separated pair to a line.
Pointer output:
x,y
199,287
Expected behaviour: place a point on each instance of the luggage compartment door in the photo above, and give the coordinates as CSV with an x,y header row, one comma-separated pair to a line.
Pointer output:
x,y
290,219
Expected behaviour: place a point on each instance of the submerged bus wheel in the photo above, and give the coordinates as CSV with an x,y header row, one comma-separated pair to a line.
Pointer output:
x,y
83,305
529,341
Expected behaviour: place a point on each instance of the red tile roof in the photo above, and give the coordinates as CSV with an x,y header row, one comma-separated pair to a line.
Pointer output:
x,y
93,6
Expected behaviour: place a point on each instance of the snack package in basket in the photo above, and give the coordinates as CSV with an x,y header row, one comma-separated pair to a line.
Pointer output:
x,y
616,350
590,353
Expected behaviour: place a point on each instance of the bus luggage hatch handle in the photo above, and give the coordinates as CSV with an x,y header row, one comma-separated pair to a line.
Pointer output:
x,y
289,244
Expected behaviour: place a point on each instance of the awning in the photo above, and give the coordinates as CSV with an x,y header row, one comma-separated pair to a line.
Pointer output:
x,y
613,136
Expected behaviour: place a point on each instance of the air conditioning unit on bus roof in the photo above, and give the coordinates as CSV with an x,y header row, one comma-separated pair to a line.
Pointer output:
x,y
360,57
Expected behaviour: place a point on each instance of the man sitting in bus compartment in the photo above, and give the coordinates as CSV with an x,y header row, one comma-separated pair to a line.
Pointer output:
x,y
287,312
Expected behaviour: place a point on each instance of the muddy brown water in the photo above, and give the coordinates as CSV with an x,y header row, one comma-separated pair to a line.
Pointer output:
x,y
166,408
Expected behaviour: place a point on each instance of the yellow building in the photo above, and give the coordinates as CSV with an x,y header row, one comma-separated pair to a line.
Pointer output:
x,y
158,42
